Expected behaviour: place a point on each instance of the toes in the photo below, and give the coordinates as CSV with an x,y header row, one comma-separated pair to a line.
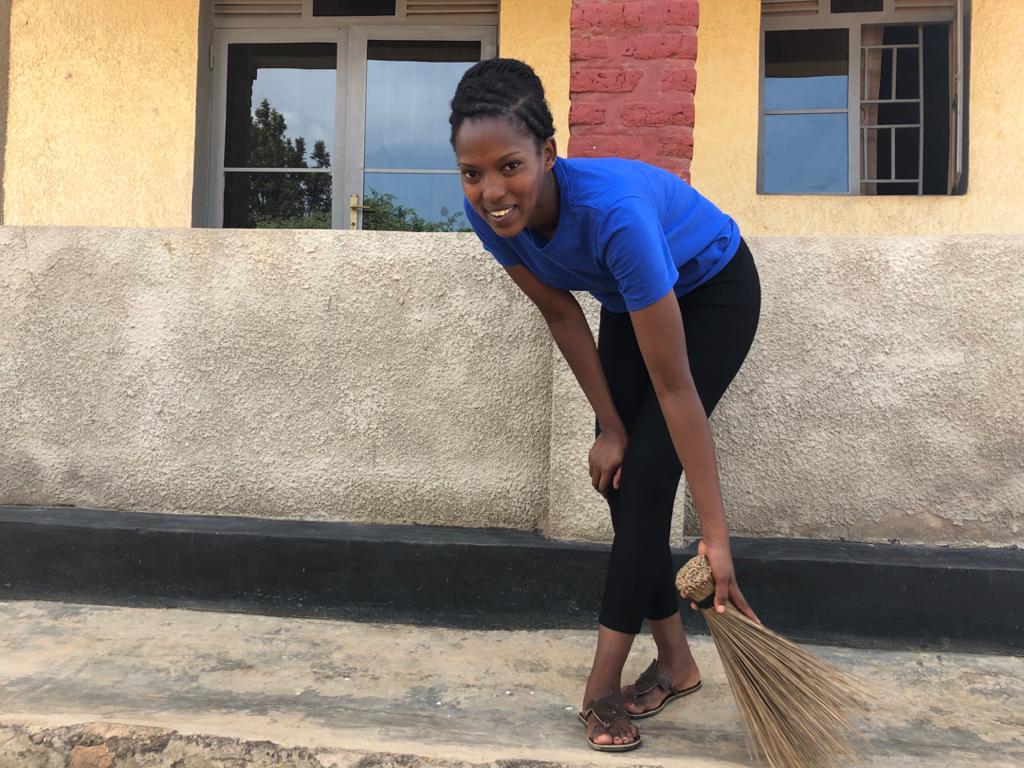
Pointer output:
x,y
599,735
624,734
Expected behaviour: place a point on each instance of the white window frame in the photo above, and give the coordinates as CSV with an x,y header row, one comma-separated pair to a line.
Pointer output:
x,y
359,36
351,35
823,18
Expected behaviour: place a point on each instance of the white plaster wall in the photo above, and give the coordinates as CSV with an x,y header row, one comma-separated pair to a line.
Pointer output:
x,y
402,378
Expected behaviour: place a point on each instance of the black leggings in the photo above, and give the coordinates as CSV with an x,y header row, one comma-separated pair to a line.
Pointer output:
x,y
719,318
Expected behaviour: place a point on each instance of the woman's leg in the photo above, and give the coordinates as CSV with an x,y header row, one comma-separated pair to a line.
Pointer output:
x,y
624,370
720,319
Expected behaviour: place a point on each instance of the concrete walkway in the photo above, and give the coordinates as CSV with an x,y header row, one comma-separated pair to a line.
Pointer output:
x,y
358,694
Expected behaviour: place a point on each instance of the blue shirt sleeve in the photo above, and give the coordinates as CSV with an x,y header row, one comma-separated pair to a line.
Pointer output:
x,y
492,242
636,252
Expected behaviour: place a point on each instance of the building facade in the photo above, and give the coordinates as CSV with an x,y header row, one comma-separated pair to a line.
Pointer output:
x,y
164,357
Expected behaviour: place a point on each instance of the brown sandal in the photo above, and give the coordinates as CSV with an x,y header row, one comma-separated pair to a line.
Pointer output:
x,y
607,710
651,679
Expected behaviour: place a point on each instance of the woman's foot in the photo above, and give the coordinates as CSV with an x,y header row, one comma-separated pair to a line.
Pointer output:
x,y
619,731
682,677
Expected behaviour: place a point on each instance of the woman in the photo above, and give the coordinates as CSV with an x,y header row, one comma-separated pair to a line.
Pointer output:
x,y
680,302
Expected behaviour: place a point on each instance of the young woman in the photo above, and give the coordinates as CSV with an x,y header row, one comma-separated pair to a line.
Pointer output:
x,y
680,302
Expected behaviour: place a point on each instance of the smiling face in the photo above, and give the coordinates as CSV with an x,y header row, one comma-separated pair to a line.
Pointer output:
x,y
506,177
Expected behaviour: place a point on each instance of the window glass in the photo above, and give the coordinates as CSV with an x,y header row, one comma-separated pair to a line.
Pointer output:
x,y
855,6
277,200
353,7
409,85
280,105
806,69
805,149
280,115
413,201
408,89
806,154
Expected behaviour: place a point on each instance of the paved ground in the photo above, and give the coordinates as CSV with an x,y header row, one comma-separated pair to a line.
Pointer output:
x,y
242,689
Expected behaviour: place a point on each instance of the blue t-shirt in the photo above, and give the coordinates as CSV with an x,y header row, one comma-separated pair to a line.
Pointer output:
x,y
628,232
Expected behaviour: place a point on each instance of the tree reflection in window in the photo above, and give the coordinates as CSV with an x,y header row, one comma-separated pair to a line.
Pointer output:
x,y
383,212
279,200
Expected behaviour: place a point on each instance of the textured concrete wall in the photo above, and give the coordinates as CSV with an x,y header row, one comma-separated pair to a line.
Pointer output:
x,y
313,375
881,399
725,138
401,378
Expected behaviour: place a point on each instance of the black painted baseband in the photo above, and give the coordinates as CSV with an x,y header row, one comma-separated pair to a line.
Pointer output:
x,y
880,595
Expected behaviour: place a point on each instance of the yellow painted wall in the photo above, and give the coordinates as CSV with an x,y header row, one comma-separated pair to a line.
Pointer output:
x,y
537,32
725,138
101,112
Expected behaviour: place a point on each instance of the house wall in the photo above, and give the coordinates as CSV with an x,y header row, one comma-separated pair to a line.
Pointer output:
x,y
5,48
102,105
537,32
402,378
633,80
312,374
101,112
725,137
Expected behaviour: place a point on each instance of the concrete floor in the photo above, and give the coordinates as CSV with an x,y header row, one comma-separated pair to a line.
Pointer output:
x,y
359,694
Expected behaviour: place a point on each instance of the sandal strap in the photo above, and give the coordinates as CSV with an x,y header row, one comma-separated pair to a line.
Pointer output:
x,y
651,679
606,709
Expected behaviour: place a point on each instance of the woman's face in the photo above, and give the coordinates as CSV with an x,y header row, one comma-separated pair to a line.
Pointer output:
x,y
503,174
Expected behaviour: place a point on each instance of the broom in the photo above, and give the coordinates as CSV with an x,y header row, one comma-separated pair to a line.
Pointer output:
x,y
796,706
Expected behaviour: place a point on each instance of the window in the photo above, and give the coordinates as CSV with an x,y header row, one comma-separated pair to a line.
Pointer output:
x,y
862,97
338,122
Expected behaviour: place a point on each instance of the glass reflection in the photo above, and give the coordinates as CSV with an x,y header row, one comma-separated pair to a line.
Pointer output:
x,y
806,154
408,88
277,200
280,105
806,69
421,202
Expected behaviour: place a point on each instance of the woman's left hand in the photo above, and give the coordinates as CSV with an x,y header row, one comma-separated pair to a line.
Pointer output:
x,y
605,460
726,588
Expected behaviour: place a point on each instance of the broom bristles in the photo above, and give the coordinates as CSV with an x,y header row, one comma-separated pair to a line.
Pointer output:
x,y
798,708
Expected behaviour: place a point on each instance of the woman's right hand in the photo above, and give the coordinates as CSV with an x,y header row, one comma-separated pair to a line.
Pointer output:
x,y
726,589
605,459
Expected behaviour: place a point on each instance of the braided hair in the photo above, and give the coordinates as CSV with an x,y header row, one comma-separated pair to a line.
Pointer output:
x,y
506,88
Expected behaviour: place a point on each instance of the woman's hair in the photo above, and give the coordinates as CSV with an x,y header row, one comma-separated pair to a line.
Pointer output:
x,y
505,88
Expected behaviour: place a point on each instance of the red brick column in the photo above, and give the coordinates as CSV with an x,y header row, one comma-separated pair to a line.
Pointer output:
x,y
633,80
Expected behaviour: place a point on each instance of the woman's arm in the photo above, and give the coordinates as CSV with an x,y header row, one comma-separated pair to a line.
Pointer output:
x,y
569,328
662,341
